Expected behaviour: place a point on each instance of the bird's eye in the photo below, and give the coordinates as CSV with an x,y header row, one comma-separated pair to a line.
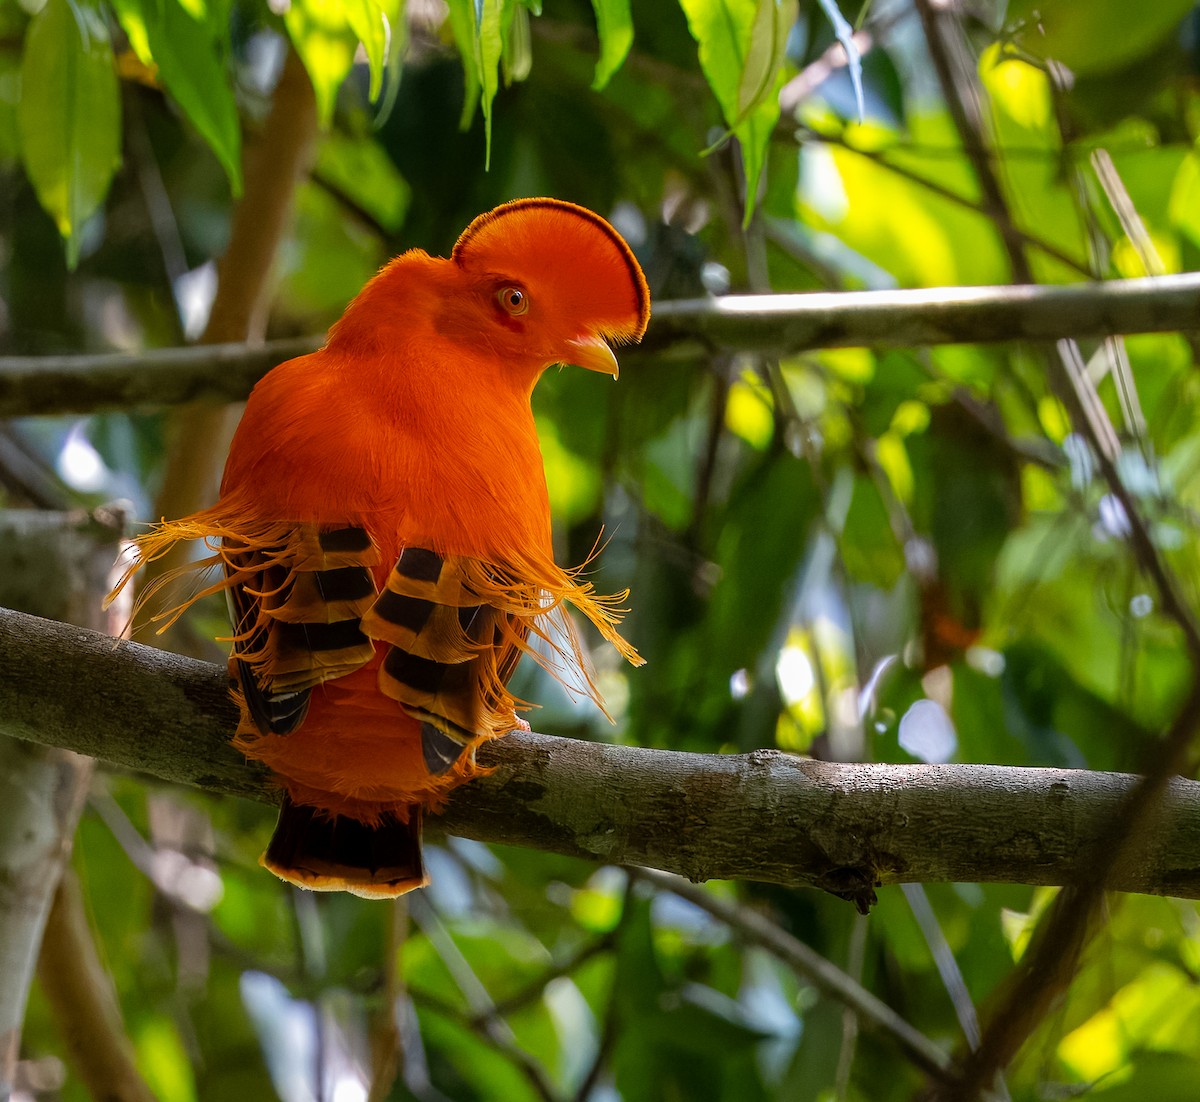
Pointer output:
x,y
513,299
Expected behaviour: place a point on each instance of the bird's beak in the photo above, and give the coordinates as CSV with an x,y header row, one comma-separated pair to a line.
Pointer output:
x,y
593,353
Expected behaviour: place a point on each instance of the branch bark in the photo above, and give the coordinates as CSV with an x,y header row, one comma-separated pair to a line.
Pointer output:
x,y
773,324
762,816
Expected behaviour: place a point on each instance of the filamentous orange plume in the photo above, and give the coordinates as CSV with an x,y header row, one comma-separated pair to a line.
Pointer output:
x,y
383,535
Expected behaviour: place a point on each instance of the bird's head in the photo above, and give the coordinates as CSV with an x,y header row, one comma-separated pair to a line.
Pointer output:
x,y
551,283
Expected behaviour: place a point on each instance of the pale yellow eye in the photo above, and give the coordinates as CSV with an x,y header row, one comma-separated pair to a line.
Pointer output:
x,y
514,300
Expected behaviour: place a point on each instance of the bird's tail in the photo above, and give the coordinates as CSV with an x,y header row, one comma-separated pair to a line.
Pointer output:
x,y
334,853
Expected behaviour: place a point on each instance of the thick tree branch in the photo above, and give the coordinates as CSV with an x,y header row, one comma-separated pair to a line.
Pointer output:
x,y
775,324
761,816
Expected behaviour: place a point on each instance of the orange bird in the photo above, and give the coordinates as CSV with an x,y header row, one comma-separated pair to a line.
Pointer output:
x,y
383,535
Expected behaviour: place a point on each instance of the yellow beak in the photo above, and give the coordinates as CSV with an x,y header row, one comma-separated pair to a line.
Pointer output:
x,y
594,354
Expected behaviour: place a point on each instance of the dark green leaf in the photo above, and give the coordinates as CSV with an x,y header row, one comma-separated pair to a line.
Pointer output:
x,y
190,62
1095,37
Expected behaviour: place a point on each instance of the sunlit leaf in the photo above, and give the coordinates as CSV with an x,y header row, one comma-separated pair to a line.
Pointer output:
x,y
324,39
189,62
615,28
367,20
462,27
371,20
163,1059
69,114
480,28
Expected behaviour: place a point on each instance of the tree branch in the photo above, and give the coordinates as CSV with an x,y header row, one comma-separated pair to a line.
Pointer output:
x,y
774,324
761,816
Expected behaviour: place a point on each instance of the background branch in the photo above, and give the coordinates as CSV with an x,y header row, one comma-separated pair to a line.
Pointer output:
x,y
777,324
829,979
839,827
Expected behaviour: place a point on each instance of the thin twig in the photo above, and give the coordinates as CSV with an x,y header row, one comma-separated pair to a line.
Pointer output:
x,y
960,92
818,971
943,959
81,992
533,990
483,1019
612,1013
387,1041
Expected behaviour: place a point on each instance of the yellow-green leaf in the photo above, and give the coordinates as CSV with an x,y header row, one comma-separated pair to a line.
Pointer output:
x,y
480,28
322,35
615,28
369,21
69,116
722,30
393,62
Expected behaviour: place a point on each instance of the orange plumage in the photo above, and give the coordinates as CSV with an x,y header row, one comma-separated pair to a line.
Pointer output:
x,y
383,533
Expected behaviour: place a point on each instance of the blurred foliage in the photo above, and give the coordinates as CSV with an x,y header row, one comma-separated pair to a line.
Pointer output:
x,y
815,546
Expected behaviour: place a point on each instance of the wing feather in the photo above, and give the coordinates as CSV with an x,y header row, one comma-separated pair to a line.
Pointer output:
x,y
296,612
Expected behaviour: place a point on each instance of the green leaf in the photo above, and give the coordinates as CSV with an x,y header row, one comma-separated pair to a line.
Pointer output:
x,y
462,27
360,169
69,115
615,28
518,46
480,29
741,52
188,57
489,47
723,29
764,53
393,63
322,35
368,20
